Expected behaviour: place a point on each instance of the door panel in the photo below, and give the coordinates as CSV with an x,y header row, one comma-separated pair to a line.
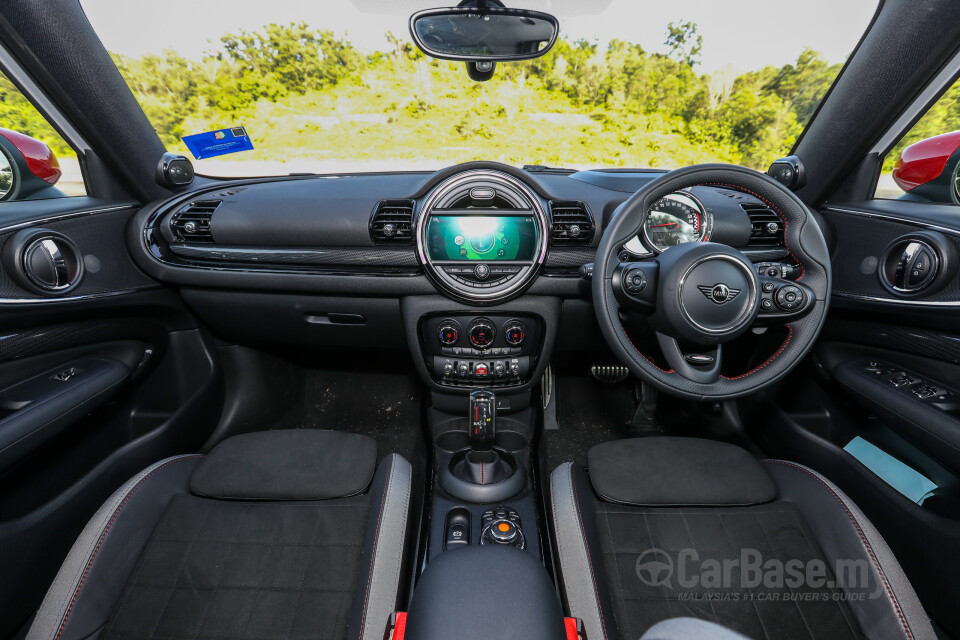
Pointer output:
x,y
879,354
145,385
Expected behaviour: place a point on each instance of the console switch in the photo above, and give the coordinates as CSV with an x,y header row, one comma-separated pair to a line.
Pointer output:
x,y
502,526
458,533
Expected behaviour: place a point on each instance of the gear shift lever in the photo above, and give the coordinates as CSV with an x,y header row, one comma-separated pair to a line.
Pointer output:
x,y
482,419
480,464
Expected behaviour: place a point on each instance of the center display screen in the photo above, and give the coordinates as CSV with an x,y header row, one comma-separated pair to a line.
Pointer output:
x,y
474,237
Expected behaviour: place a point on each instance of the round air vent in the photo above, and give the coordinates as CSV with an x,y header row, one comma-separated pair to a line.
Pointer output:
x,y
43,261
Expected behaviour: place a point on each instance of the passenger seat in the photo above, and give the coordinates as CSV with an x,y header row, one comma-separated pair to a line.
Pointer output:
x,y
282,534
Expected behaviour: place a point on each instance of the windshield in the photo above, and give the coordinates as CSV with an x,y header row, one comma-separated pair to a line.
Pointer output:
x,y
305,87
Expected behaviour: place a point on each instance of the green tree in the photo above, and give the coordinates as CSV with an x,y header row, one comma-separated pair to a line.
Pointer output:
x,y
18,114
684,42
943,117
802,85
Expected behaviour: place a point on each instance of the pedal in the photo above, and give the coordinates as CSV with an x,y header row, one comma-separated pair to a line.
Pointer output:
x,y
609,373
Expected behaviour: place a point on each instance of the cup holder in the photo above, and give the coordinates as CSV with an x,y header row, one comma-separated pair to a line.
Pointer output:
x,y
456,440
505,475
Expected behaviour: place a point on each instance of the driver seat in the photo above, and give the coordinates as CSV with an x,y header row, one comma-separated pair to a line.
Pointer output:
x,y
667,527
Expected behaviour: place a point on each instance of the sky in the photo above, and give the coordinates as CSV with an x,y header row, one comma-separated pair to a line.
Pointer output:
x,y
742,34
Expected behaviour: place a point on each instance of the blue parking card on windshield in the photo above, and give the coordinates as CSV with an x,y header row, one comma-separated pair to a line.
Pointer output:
x,y
218,143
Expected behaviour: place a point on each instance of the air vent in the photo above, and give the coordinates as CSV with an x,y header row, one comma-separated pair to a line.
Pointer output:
x,y
572,224
392,222
766,227
192,222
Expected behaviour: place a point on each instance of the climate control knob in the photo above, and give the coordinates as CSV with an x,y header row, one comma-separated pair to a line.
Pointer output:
x,y
449,332
514,333
481,332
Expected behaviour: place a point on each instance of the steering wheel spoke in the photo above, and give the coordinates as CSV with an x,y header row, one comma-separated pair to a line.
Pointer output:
x,y
635,285
700,364
783,301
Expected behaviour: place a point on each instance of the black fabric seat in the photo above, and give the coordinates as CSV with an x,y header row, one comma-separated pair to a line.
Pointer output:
x,y
285,534
666,528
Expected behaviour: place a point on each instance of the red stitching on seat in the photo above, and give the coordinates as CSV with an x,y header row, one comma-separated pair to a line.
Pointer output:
x,y
586,546
863,539
103,535
373,552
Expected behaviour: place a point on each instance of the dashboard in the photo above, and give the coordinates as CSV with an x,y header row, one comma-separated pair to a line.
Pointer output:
x,y
479,233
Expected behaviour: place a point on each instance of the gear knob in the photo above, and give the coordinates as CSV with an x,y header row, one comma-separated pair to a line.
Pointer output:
x,y
482,418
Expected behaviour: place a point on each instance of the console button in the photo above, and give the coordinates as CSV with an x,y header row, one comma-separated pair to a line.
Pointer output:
x,y
481,333
457,534
449,332
789,297
503,531
481,271
481,370
635,281
514,333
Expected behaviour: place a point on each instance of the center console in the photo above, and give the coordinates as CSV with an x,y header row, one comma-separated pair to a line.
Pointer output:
x,y
467,350
483,493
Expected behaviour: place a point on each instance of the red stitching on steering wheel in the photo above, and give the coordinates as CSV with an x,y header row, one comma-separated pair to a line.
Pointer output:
x,y
768,360
803,272
641,353
780,214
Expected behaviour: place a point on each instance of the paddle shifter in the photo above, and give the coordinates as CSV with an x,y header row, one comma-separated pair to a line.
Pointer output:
x,y
483,419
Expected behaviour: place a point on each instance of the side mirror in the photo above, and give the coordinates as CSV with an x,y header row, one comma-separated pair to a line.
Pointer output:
x,y
28,168
927,170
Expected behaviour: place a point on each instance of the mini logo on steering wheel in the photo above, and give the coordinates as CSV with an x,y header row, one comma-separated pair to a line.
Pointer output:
x,y
719,293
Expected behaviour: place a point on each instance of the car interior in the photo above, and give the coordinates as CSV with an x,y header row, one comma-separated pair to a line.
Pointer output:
x,y
486,399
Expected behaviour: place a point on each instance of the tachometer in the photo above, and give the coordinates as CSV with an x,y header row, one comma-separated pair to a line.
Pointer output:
x,y
675,219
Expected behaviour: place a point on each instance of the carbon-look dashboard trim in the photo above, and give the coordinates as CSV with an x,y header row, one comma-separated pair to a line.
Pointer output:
x,y
901,220
360,256
909,222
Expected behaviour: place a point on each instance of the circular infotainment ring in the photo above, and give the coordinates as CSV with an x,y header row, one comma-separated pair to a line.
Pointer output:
x,y
528,268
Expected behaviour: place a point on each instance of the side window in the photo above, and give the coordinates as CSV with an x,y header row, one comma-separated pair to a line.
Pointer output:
x,y
35,162
924,164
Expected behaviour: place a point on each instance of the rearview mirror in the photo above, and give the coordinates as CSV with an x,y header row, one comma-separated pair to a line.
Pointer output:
x,y
487,34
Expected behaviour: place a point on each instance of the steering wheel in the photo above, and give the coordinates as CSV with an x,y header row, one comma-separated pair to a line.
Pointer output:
x,y
699,296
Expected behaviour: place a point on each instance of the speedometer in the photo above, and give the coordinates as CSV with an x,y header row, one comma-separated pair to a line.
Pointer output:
x,y
675,219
